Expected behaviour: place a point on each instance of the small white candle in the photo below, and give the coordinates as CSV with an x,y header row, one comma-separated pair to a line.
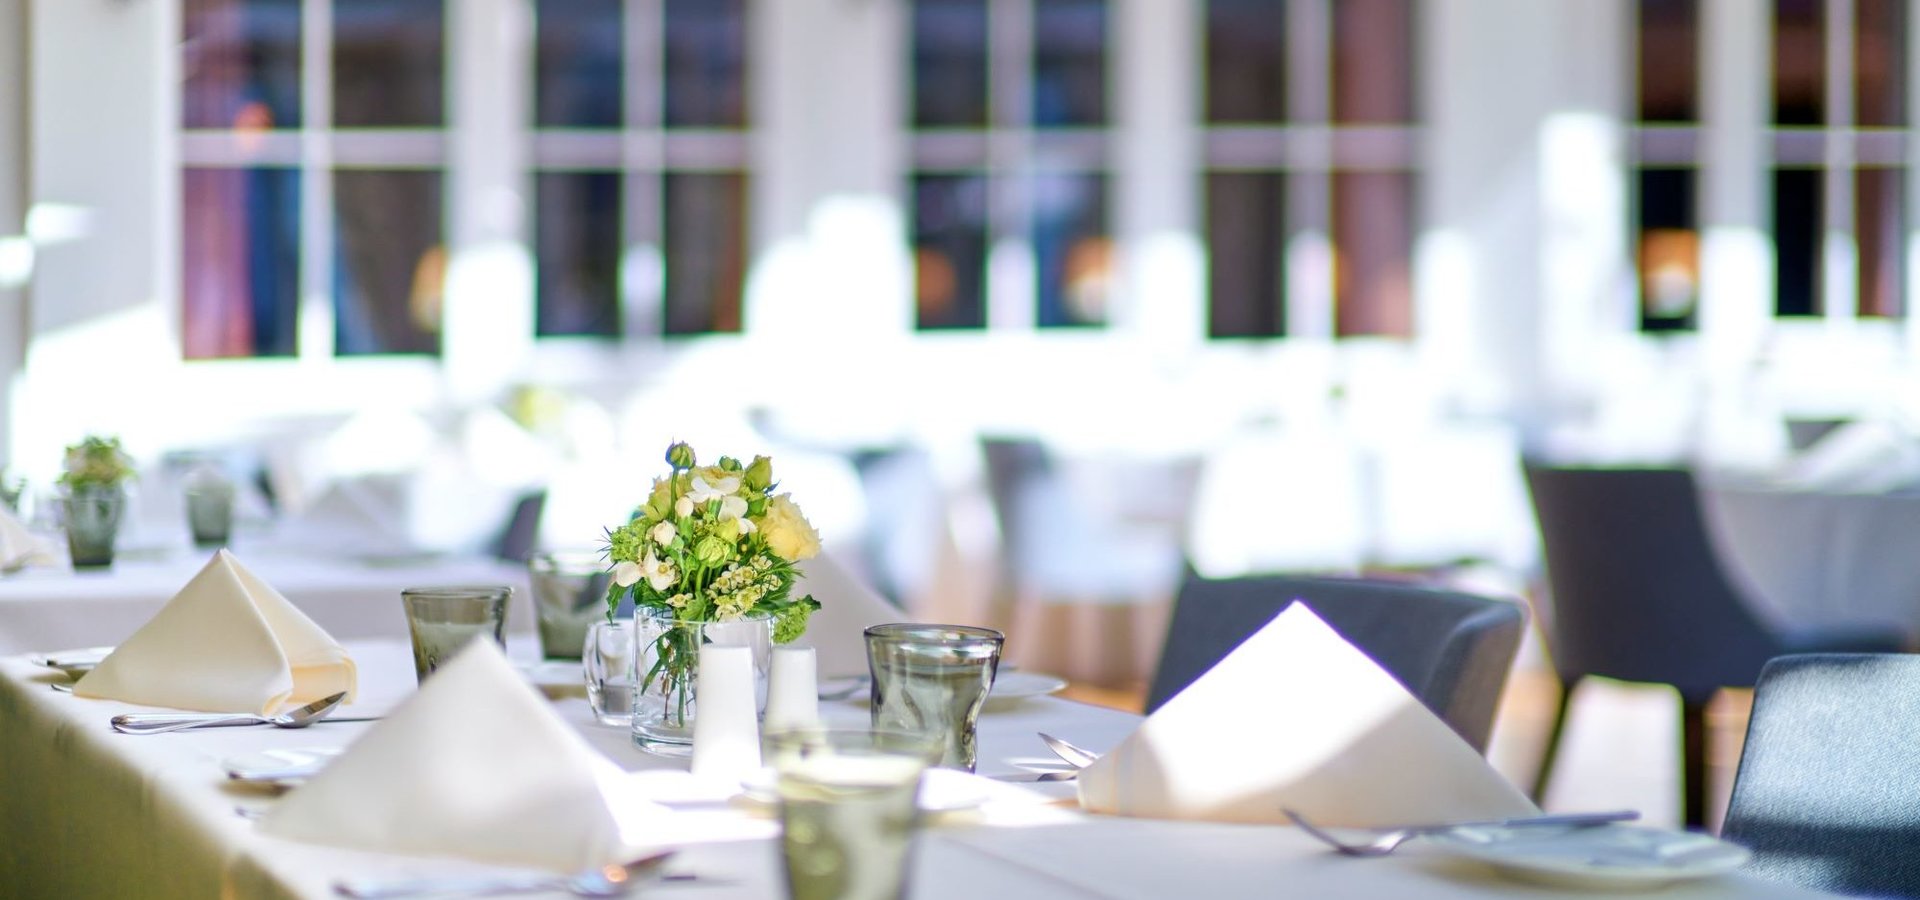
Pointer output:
x,y
793,699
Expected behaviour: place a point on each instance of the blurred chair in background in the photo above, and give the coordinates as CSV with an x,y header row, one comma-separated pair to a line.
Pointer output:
x,y
1825,796
1638,595
1451,650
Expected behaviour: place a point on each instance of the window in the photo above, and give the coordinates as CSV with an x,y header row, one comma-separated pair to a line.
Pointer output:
x,y
1309,135
1665,164
1008,112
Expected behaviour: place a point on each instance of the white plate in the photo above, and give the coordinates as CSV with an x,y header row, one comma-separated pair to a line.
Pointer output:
x,y
284,767
555,673
942,790
1605,856
1018,684
73,662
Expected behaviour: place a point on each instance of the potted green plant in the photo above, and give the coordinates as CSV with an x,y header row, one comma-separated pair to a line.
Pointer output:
x,y
93,495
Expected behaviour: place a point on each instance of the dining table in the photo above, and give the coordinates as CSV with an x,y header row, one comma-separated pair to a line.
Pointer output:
x,y
94,813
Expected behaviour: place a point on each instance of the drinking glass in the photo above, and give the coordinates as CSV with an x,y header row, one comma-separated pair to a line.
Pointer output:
x,y
442,620
848,809
569,594
607,662
933,679
92,520
209,509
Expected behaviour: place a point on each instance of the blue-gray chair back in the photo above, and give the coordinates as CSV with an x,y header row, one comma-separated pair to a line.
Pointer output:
x,y
1451,650
1826,795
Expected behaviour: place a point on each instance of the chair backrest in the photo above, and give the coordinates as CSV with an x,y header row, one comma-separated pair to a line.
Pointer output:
x,y
522,530
1451,650
1638,593
1826,795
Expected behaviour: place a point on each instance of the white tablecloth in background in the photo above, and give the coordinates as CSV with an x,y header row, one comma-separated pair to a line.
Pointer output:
x,y
91,813
1811,558
57,609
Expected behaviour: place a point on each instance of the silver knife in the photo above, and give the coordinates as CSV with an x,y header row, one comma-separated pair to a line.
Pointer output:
x,y
1021,777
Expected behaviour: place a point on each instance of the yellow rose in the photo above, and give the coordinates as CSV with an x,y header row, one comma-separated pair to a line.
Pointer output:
x,y
789,535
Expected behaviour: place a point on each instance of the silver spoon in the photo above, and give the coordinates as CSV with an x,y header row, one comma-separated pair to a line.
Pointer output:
x,y
1388,840
600,881
1077,757
158,723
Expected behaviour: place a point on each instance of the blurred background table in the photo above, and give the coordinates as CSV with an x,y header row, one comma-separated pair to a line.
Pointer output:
x,y
1820,558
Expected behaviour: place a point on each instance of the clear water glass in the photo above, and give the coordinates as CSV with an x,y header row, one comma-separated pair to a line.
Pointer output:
x,y
92,521
606,660
848,809
443,620
210,512
569,594
933,679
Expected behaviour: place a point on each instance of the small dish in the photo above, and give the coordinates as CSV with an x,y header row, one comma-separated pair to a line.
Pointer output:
x,y
283,767
74,663
1605,856
1021,684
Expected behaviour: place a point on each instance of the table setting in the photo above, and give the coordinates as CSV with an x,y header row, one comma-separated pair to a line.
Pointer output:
x,y
702,761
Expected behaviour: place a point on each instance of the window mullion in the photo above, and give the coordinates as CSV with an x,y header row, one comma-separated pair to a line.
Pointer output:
x,y
1309,240
315,331
1840,266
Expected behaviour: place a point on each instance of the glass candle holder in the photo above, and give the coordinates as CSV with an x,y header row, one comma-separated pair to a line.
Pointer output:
x,y
933,679
442,620
849,809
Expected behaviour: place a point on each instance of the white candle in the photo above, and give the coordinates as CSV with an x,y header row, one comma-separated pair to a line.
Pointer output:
x,y
793,697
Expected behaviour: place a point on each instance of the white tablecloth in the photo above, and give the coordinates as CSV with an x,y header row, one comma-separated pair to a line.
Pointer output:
x,y
55,608
1810,558
92,813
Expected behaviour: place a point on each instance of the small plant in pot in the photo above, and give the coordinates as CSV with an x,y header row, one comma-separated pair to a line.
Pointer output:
x,y
93,496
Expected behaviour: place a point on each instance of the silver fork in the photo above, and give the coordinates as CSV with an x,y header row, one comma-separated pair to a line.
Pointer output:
x,y
1385,841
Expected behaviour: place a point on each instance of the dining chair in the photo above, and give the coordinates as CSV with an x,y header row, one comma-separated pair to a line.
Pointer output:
x,y
1825,796
1449,649
1638,594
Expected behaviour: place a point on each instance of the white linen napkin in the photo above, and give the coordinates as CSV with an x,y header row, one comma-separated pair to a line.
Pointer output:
x,y
18,546
1297,718
475,765
227,642
837,632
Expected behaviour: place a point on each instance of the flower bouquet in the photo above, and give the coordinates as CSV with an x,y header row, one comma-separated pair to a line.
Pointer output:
x,y
708,559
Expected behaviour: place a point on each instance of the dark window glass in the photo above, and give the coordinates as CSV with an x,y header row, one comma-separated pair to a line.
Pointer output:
x,y
1669,50
577,253
706,63
1668,250
1373,61
1799,62
240,64
1880,62
1879,221
390,264
1246,61
705,249
577,74
950,250
1071,249
240,265
1797,203
1246,254
389,59
1069,62
1373,253
950,63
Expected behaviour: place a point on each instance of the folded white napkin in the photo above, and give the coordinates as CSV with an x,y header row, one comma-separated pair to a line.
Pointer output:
x,y
837,632
227,642
18,546
1297,718
475,765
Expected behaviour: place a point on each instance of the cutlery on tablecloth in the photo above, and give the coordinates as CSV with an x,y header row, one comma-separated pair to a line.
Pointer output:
x,y
1077,757
600,881
160,723
858,683
1383,841
1019,777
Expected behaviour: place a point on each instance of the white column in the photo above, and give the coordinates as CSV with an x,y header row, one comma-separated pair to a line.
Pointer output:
x,y
487,324
1737,285
16,252
104,204
1157,171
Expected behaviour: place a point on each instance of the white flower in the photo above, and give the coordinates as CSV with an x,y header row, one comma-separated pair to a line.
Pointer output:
x,y
702,492
683,507
732,507
659,572
663,533
626,574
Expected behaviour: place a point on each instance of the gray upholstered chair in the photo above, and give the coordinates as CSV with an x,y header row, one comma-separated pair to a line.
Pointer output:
x,y
1826,796
1451,650
1639,595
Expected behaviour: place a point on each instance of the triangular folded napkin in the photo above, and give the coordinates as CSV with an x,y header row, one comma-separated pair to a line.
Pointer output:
x,y
18,546
227,642
1297,718
475,765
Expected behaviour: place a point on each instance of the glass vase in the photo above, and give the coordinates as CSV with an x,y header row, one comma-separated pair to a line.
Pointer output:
x,y
667,666
93,521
